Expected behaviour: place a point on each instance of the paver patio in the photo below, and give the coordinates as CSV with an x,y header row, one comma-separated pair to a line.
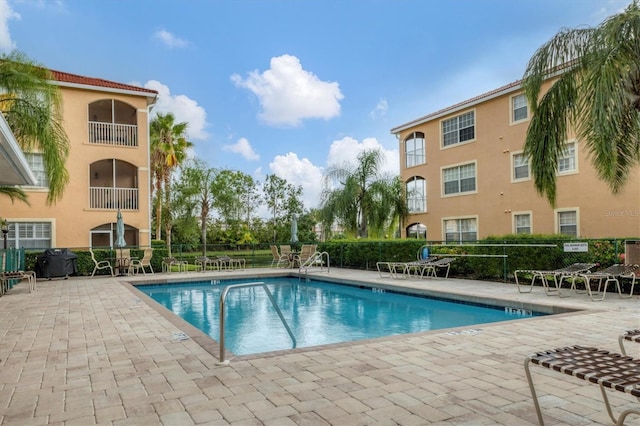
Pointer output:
x,y
94,351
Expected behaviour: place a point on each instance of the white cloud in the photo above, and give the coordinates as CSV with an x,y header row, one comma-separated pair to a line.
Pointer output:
x,y
170,40
349,148
6,14
182,107
289,94
380,110
244,148
301,172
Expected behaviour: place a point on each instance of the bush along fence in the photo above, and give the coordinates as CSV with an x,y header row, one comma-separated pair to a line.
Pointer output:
x,y
492,259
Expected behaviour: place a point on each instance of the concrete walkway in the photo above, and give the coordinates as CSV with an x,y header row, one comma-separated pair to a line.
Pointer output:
x,y
94,351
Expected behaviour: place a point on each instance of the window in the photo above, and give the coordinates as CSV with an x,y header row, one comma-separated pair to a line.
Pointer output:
x,y
460,230
36,164
416,195
414,149
568,223
519,108
567,162
30,235
520,167
522,223
459,179
459,129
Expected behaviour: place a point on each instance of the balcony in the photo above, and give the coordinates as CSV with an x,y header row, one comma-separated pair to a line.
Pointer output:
x,y
113,198
113,134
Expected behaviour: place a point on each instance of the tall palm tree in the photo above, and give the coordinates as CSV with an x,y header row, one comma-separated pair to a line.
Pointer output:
x,y
596,92
32,107
168,150
365,197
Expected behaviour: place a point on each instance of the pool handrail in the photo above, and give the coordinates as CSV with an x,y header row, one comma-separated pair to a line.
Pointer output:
x,y
223,295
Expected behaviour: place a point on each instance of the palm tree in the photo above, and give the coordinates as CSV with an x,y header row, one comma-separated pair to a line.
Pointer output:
x,y
365,197
168,150
596,91
32,107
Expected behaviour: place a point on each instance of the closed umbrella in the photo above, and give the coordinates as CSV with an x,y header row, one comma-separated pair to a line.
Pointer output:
x,y
294,230
120,241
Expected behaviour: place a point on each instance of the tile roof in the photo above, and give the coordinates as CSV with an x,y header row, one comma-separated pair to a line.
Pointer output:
x,y
65,77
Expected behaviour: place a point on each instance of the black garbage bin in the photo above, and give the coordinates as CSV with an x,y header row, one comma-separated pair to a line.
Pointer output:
x,y
56,263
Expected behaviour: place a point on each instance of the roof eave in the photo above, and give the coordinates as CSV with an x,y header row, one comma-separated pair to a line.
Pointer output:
x,y
14,163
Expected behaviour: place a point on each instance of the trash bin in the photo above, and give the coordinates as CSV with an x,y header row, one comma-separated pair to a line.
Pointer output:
x,y
56,263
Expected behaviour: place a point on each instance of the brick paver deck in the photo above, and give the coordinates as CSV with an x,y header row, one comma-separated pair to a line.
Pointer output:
x,y
93,351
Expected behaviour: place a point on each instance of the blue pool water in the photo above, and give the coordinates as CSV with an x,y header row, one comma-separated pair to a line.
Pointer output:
x,y
317,312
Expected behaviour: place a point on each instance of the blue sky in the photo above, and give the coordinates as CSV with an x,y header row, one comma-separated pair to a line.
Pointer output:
x,y
290,87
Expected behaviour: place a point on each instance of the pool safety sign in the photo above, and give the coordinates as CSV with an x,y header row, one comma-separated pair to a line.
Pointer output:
x,y
576,247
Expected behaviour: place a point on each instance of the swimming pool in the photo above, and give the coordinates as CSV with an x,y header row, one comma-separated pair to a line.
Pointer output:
x,y
316,312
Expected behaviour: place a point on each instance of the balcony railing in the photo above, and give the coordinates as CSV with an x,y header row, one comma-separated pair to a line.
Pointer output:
x,y
113,198
113,134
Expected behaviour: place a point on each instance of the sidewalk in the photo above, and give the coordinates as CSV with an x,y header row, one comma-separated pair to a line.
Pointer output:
x,y
93,351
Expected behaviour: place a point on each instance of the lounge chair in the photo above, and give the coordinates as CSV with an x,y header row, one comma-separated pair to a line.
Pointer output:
x,y
205,263
145,262
228,263
169,262
613,274
608,370
278,259
629,336
557,275
10,278
100,265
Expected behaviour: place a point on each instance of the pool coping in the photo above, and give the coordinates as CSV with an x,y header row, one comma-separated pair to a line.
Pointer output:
x,y
212,346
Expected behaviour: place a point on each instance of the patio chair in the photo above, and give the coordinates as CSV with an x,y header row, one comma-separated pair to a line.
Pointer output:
x,y
557,275
100,265
145,262
278,259
613,274
306,252
607,370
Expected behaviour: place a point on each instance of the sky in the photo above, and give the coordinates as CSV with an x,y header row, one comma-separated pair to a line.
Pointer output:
x,y
292,87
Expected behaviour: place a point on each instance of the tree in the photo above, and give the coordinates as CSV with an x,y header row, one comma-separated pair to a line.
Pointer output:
x,y
196,192
234,196
596,92
32,107
282,198
168,150
364,196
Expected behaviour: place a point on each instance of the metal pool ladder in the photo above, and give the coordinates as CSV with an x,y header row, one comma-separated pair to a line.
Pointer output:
x,y
223,295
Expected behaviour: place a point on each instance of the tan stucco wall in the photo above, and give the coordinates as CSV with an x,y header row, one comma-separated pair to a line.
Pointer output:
x,y
71,217
601,214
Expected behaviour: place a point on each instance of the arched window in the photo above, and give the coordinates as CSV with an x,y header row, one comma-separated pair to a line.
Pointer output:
x,y
104,236
417,195
414,149
417,231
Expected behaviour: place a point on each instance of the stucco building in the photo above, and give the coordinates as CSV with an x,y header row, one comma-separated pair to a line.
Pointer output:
x,y
466,177
108,127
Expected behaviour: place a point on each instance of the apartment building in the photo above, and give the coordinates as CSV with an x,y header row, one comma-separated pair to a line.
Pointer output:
x,y
108,127
467,178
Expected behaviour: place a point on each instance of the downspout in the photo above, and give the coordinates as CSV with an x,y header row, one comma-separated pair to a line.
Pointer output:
x,y
149,171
